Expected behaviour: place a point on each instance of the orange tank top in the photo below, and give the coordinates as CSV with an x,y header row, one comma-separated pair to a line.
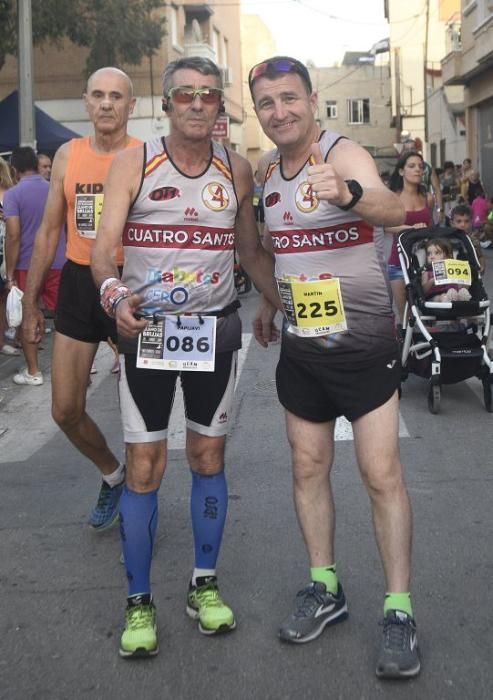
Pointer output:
x,y
83,187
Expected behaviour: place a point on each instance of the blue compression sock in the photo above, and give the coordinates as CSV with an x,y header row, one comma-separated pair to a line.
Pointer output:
x,y
138,522
209,505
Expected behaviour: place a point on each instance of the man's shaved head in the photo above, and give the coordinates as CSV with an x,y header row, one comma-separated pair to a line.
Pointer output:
x,y
107,71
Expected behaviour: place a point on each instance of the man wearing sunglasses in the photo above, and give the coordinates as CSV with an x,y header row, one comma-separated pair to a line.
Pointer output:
x,y
181,204
339,356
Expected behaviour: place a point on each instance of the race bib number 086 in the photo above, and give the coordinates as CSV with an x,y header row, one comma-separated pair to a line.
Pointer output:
x,y
313,308
185,343
452,272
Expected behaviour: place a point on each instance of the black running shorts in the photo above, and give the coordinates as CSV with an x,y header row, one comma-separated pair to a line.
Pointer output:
x,y
146,398
78,313
318,392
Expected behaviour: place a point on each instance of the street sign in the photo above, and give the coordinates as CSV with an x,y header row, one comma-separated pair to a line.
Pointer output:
x,y
221,127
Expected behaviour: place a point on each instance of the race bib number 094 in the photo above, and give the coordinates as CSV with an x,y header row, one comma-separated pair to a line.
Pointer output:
x,y
313,308
452,272
184,343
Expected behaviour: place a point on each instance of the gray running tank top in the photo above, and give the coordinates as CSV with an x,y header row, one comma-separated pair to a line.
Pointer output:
x,y
313,239
180,232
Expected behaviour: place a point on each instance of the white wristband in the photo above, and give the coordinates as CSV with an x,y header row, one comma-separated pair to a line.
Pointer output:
x,y
107,283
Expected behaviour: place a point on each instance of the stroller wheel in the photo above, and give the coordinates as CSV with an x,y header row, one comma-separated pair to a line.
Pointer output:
x,y
434,398
487,394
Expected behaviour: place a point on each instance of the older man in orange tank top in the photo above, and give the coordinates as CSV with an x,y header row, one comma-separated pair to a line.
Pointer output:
x,y
76,196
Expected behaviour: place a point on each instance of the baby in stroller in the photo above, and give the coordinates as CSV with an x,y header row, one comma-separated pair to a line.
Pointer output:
x,y
441,249
446,328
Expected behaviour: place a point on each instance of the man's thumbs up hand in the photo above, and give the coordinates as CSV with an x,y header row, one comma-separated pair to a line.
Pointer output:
x,y
325,182
316,154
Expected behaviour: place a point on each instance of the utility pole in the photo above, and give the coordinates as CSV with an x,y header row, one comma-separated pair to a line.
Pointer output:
x,y
398,112
27,127
425,67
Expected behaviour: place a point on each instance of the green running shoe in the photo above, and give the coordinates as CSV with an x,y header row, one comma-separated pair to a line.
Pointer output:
x,y
205,605
139,638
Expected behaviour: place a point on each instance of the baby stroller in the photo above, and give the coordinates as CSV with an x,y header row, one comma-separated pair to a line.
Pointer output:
x,y
445,342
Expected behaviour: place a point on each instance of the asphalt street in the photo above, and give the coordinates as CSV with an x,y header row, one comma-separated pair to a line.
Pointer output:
x,y
62,587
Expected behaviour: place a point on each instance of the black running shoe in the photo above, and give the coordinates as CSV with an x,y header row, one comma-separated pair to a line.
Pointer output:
x,y
399,653
315,609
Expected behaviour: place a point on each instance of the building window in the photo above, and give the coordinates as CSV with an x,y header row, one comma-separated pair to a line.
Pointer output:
x,y
174,26
225,53
215,43
331,106
358,111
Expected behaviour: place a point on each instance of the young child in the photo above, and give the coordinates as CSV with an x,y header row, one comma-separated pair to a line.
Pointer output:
x,y
461,218
441,249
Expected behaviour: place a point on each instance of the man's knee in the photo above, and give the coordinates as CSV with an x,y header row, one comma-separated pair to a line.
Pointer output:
x,y
146,463
206,455
309,465
67,415
383,479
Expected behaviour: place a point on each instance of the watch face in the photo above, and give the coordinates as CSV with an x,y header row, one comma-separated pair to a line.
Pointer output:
x,y
355,188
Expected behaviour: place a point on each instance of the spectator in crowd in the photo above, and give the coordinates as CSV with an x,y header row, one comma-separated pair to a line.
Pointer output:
x,y
450,187
44,166
24,206
429,178
406,181
6,182
464,178
475,187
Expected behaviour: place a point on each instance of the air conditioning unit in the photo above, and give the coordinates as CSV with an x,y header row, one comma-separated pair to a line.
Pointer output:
x,y
227,76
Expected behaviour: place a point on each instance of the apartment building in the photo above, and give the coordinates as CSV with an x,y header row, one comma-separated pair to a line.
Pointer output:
x,y
211,30
417,30
257,44
354,100
469,63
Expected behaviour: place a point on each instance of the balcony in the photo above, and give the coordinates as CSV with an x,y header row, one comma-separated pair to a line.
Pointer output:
x,y
200,48
452,68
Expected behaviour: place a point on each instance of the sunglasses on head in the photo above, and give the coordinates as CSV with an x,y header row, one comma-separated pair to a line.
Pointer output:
x,y
186,95
279,65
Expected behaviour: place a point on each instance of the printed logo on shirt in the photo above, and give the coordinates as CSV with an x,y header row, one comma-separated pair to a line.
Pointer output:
x,y
88,187
288,217
330,238
163,194
191,214
187,277
305,199
215,196
186,236
272,198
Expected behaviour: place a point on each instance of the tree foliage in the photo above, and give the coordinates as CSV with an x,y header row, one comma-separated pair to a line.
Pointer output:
x,y
114,31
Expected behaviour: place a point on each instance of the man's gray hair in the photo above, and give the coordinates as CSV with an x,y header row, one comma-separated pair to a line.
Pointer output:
x,y
202,65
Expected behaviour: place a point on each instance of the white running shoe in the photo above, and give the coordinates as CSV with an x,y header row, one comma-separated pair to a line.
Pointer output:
x,y
27,379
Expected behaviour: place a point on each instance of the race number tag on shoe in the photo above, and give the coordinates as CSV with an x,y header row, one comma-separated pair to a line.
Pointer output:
x,y
181,343
313,308
452,272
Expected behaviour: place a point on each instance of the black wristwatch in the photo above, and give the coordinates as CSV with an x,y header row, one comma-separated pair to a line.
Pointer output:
x,y
356,190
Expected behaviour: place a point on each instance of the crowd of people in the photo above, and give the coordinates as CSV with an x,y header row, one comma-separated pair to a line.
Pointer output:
x,y
120,262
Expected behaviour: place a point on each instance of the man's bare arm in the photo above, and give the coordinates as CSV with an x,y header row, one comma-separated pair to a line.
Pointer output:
x,y
258,263
48,233
349,161
120,190
12,246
